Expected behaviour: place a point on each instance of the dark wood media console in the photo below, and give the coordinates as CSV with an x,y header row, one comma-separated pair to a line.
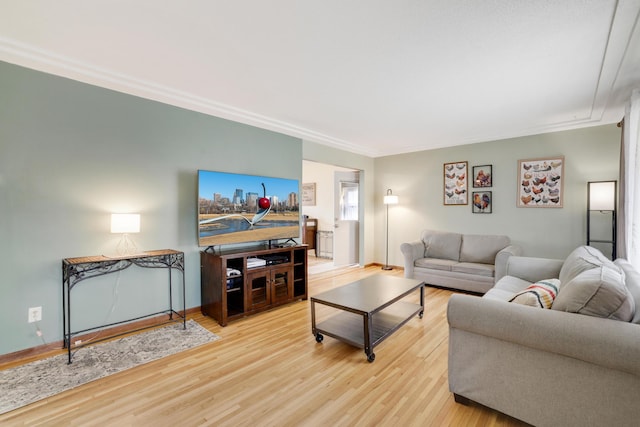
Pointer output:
x,y
237,283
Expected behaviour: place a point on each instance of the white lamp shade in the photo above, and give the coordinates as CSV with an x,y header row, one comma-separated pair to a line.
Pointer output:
x,y
125,223
390,199
602,196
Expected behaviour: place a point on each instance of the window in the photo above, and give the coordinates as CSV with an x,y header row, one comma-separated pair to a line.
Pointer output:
x,y
349,201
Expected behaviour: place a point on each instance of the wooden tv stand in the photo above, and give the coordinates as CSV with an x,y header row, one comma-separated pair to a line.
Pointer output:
x,y
232,286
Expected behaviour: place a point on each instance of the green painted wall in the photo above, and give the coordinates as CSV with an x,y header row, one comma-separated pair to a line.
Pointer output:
x,y
70,154
591,154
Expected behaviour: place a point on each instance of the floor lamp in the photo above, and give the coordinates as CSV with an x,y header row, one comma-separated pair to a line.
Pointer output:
x,y
389,199
602,201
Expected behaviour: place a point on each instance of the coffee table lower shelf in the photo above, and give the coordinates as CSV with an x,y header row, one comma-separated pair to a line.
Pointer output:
x,y
354,328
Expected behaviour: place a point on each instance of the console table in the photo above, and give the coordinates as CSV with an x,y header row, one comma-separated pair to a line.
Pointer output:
x,y
75,270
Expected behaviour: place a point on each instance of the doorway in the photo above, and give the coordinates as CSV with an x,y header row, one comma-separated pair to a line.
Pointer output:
x,y
337,208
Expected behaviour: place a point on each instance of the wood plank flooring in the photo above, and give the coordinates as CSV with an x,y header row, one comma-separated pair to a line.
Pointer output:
x,y
268,370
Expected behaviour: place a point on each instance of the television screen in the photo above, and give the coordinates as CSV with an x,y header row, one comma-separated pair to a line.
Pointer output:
x,y
237,208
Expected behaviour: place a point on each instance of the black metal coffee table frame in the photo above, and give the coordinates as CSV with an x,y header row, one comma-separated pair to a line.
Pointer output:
x,y
378,300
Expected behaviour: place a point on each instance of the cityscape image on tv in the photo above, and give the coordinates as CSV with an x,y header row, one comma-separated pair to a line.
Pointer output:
x,y
235,208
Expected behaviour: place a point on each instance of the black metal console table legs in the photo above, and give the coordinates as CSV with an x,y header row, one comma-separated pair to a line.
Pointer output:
x,y
75,270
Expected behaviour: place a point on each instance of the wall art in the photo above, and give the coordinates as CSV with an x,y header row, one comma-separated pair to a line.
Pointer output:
x,y
455,183
482,176
540,182
482,202
308,194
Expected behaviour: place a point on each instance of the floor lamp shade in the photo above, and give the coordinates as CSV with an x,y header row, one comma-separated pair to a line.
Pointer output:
x,y
602,196
390,199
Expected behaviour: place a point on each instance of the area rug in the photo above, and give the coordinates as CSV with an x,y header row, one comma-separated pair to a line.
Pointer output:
x,y
29,383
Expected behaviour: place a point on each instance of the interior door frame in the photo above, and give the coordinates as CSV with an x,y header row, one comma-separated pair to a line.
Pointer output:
x,y
361,201
350,176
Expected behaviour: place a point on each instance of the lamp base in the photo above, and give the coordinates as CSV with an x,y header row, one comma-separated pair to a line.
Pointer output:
x,y
126,246
386,267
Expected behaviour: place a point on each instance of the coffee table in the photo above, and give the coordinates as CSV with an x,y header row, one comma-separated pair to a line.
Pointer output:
x,y
379,301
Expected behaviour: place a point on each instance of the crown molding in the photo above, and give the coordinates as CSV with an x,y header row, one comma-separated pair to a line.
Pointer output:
x,y
607,89
45,61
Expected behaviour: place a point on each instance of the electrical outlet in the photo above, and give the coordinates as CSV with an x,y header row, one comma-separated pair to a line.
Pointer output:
x,y
35,314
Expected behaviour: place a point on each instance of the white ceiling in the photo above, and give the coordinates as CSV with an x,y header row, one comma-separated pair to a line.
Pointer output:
x,y
375,77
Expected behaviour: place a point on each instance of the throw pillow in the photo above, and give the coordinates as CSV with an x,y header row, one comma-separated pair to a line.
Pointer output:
x,y
582,258
599,292
540,294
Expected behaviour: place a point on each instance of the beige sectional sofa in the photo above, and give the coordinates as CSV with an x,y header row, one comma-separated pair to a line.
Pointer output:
x,y
467,262
575,364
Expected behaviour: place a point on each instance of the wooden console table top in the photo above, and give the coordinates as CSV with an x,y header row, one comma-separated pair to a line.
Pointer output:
x,y
102,258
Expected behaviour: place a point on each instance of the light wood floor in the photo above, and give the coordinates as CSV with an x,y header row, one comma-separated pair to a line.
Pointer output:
x,y
268,370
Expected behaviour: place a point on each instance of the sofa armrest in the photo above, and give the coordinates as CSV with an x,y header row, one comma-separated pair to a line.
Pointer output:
x,y
501,260
411,252
533,269
603,342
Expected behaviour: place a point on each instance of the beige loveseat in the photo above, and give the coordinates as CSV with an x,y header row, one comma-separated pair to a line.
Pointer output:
x,y
575,364
467,262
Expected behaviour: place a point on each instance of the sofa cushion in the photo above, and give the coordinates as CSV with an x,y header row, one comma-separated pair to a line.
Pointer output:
x,y
474,268
482,248
435,263
506,287
599,292
512,284
582,258
540,294
632,280
441,244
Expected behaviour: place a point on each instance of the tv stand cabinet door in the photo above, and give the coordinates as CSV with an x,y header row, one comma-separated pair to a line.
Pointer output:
x,y
257,292
281,285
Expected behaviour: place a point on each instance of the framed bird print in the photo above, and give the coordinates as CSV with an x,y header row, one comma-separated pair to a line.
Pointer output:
x,y
481,202
482,176
540,182
455,183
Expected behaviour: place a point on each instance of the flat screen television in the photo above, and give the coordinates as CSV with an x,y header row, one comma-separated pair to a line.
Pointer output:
x,y
238,208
